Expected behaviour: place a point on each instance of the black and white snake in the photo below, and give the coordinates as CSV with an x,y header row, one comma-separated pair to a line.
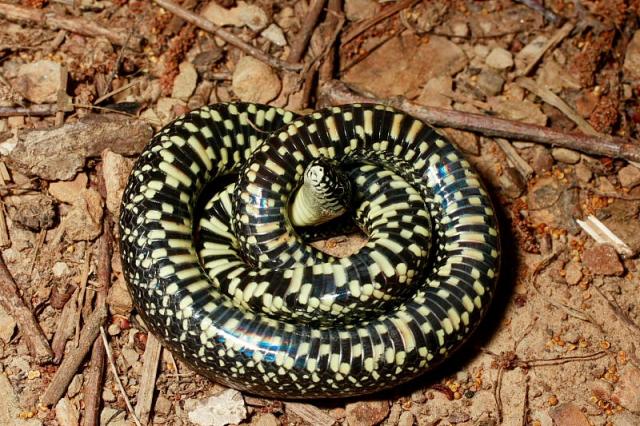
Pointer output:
x,y
250,304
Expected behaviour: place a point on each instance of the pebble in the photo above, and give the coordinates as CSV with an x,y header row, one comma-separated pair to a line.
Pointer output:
x,y
218,410
573,273
39,82
602,259
627,390
119,299
255,81
275,35
34,212
583,172
406,419
565,155
266,419
624,419
185,82
7,326
113,329
168,108
586,103
357,10
490,82
243,14
83,222
542,161
434,92
75,386
367,413
107,395
130,355
66,413
68,191
481,50
499,58
460,29
60,269
631,65
162,406
629,176
568,414
115,171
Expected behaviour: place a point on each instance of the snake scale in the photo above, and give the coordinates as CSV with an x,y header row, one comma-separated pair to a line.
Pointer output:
x,y
243,299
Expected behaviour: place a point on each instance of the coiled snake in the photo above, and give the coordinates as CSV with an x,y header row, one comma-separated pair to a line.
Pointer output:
x,y
250,304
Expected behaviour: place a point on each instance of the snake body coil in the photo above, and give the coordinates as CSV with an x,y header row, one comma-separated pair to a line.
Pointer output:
x,y
251,305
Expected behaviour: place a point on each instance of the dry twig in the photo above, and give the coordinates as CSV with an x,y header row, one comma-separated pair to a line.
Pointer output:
x,y
299,46
553,41
82,26
15,306
95,375
338,93
309,413
230,38
74,358
148,375
116,377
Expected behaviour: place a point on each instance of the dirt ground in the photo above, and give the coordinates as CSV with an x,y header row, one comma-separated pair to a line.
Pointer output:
x,y
85,83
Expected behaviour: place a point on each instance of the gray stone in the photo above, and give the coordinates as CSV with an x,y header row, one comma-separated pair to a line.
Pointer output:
x,y
489,82
219,410
583,172
255,81
499,58
629,176
39,82
565,155
275,35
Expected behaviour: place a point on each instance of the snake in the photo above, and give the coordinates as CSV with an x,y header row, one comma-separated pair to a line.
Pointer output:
x,y
222,272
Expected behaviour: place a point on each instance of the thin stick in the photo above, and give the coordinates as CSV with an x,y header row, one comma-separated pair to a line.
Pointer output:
x,y
72,361
114,370
15,306
518,162
148,376
230,38
45,18
299,46
368,23
553,41
95,375
337,93
42,110
334,10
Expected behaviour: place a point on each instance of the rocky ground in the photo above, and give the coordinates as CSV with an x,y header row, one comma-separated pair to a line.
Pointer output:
x,y
84,83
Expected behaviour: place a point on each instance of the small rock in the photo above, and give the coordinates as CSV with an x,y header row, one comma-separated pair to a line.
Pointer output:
x,y
218,410
357,10
267,419
275,35
460,29
75,386
162,406
168,108
434,93
629,176
84,220
39,82
113,329
255,81
542,161
7,326
185,82
627,390
583,172
511,183
406,419
68,191
466,141
602,259
530,52
366,413
624,419
565,155
586,103
499,58
394,414
130,356
481,50
542,417
554,203
338,413
34,212
107,395
243,14
409,56
573,273
568,414
489,82
517,110
119,299
115,171
631,65
66,413
60,269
